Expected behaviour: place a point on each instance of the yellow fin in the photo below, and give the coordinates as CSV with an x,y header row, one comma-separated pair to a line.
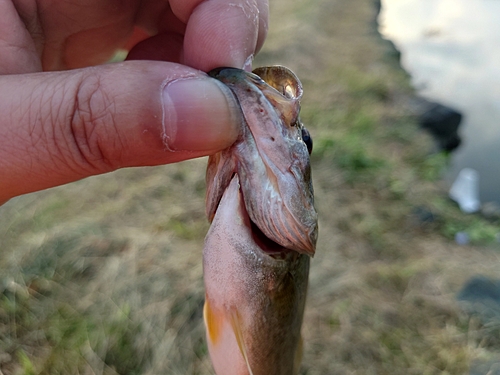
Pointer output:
x,y
236,324
213,322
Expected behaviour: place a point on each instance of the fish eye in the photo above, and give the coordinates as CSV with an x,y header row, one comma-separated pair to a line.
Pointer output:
x,y
288,92
306,137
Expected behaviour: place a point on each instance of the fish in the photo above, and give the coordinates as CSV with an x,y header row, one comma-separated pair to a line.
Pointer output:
x,y
263,231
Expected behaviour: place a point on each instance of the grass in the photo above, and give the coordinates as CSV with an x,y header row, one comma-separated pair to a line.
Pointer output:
x,y
104,276
48,328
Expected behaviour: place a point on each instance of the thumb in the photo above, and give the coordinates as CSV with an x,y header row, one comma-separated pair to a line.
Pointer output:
x,y
63,126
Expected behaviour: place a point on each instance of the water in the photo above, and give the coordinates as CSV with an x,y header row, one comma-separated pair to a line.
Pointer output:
x,y
451,49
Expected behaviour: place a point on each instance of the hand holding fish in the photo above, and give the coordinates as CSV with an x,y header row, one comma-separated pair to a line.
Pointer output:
x,y
61,123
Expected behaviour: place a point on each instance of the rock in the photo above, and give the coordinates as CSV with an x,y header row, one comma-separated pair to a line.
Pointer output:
x,y
443,123
481,288
480,297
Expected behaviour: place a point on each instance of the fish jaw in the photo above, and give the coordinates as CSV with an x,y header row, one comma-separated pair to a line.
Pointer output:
x,y
254,302
270,157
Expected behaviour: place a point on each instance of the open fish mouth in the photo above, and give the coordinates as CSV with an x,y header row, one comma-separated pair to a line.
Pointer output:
x,y
267,246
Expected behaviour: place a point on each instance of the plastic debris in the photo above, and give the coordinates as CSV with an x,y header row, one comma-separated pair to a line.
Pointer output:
x,y
465,191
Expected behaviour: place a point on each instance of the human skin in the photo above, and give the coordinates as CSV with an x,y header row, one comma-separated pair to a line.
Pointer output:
x,y
66,115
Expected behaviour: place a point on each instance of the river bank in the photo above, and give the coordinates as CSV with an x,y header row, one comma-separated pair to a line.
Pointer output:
x,y
104,275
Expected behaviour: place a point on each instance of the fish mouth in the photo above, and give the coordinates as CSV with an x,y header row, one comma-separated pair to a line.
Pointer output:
x,y
267,246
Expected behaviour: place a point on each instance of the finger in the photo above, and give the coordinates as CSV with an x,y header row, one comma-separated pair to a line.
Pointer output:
x,y
167,42
162,47
17,49
263,6
156,17
84,33
60,127
184,8
222,33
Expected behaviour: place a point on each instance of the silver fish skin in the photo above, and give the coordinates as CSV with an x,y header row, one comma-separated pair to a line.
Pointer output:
x,y
263,230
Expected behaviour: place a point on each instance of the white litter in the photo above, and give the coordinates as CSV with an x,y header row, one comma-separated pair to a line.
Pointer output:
x,y
465,190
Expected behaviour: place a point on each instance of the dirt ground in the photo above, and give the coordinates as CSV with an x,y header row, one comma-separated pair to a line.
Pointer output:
x,y
104,276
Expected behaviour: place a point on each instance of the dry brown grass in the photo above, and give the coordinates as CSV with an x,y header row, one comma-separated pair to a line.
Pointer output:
x,y
103,276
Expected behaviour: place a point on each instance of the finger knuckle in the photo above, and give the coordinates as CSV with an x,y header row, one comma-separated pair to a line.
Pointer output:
x,y
92,124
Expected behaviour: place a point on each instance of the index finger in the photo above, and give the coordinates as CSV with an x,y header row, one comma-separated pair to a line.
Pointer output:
x,y
222,33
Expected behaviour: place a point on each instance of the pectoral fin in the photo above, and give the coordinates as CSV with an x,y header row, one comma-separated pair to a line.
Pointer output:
x,y
236,323
213,323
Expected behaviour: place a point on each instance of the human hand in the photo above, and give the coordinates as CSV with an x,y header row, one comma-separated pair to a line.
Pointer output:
x,y
60,123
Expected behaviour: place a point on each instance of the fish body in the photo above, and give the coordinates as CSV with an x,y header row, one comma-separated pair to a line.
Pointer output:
x,y
263,230
254,302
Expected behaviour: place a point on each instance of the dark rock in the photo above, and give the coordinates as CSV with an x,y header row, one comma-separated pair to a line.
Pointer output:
x,y
480,299
443,123
481,288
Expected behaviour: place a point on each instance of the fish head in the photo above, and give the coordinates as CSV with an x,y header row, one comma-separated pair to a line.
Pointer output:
x,y
271,157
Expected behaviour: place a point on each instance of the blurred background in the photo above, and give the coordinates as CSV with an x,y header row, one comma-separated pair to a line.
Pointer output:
x,y
104,276
449,47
